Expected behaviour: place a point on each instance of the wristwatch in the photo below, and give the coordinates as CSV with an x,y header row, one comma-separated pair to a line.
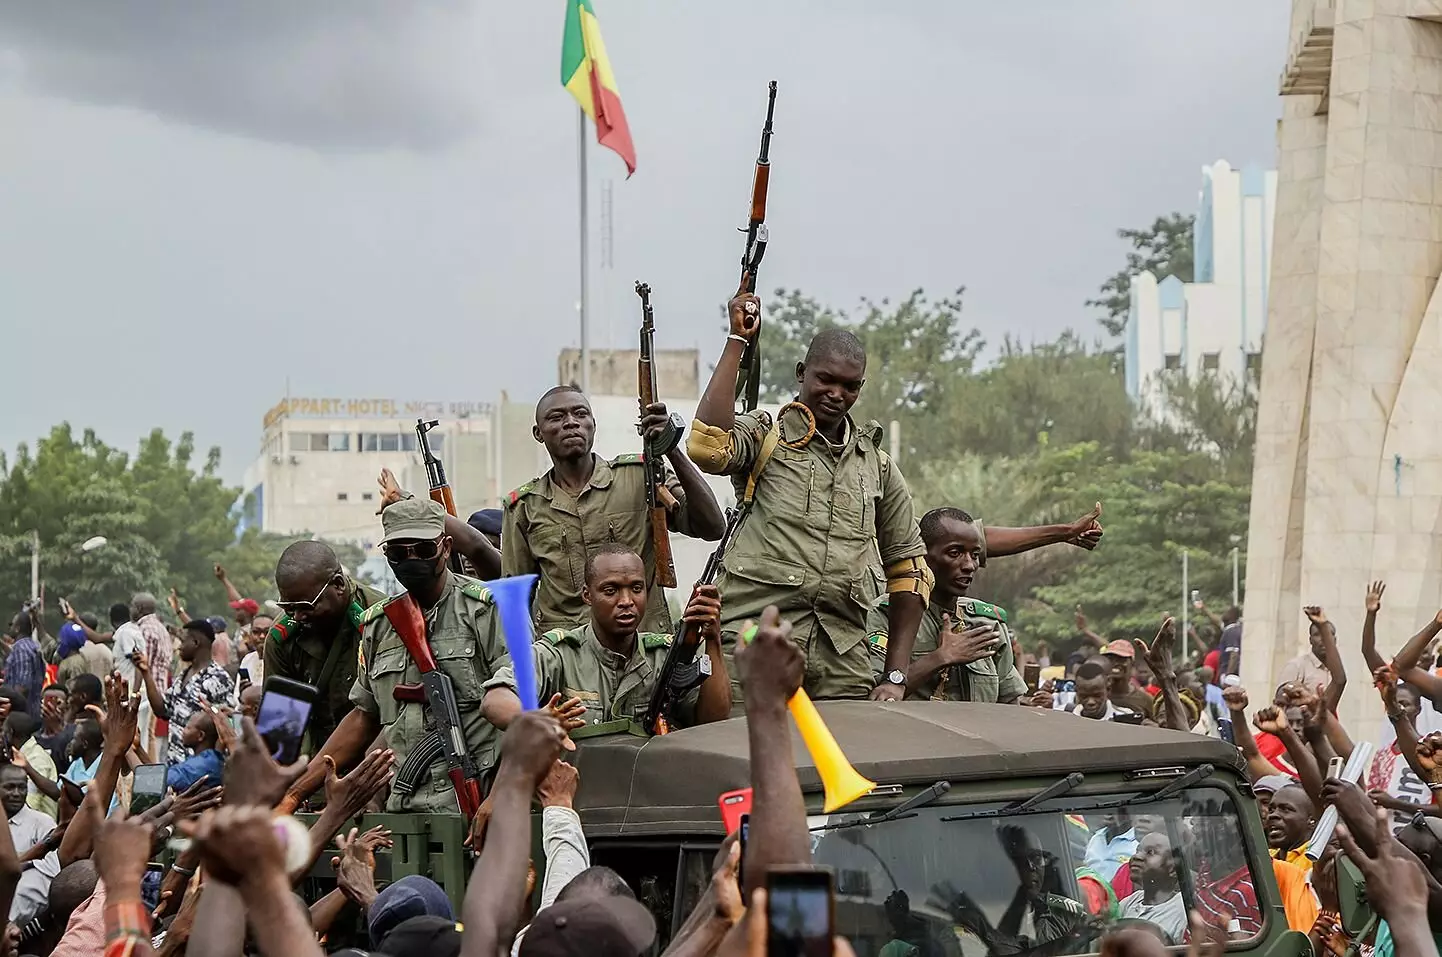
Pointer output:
x,y
896,678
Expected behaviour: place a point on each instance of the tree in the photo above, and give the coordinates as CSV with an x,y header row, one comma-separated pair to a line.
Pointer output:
x,y
1165,249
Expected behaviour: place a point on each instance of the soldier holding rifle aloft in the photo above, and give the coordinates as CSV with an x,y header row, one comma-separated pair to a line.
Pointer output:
x,y
555,522
819,489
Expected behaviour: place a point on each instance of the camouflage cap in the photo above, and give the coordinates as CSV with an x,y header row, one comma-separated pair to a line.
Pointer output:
x,y
413,518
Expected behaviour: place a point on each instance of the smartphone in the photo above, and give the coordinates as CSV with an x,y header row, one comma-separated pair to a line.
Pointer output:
x,y
285,708
1064,696
1031,674
1196,598
65,607
1225,732
235,723
734,805
800,913
1136,717
1334,767
148,789
743,833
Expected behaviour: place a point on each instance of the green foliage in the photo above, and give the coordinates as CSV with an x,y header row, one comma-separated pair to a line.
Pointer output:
x,y
166,523
1165,249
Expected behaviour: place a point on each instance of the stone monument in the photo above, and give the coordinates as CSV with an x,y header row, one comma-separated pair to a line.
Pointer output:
x,y
1347,485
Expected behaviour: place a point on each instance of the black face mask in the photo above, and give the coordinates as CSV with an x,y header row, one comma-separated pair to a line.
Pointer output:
x,y
416,574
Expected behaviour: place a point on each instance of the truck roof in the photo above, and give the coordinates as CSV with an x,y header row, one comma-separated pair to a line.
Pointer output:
x,y
669,784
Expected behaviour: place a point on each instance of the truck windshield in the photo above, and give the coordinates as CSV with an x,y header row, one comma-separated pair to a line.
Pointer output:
x,y
1046,882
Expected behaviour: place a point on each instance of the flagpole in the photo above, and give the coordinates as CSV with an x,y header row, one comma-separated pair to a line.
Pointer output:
x,y
585,235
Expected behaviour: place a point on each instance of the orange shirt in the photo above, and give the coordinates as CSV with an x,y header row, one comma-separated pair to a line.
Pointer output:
x,y
1297,897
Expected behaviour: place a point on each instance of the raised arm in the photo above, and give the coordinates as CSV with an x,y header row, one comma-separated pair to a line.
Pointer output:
x,y
1273,721
700,514
1369,627
1158,656
231,592
476,547
1405,661
1085,532
718,403
1331,658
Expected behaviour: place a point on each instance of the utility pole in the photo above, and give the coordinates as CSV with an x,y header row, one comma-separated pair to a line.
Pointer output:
x,y
35,563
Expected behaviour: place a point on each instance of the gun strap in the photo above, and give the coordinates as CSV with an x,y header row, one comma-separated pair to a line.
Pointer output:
x,y
768,448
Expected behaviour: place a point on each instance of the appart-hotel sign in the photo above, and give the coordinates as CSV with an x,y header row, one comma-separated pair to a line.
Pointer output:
x,y
313,408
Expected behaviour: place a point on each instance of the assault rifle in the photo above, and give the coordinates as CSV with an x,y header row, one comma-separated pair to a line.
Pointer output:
x,y
444,734
436,477
682,669
658,497
748,381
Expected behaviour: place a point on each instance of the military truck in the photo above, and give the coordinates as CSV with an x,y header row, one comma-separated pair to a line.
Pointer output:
x,y
993,829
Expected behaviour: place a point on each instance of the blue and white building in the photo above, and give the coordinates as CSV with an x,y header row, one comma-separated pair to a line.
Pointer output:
x,y
1215,324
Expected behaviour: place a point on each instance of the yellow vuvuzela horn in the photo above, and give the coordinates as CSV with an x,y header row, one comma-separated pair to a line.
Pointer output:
x,y
843,783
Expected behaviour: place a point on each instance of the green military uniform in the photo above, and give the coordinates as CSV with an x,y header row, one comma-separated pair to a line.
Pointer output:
x,y
548,532
988,680
822,516
615,689
465,635
295,651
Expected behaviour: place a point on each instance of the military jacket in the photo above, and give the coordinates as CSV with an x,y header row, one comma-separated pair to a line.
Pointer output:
x,y
574,664
466,639
548,532
298,652
988,680
810,544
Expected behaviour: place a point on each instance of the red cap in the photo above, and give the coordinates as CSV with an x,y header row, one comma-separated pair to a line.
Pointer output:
x,y
248,605
1119,647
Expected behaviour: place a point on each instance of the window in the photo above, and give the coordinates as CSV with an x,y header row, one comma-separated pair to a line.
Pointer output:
x,y
1254,366
300,442
339,441
1211,361
342,497
408,441
390,442
368,496
1173,362
369,442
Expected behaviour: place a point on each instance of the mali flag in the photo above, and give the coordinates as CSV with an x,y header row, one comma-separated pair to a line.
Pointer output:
x,y
586,73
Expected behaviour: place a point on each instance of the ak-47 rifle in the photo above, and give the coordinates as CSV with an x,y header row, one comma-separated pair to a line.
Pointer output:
x,y
444,733
748,382
658,497
682,669
436,476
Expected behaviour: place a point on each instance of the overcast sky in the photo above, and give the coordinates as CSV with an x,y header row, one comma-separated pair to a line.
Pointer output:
x,y
201,200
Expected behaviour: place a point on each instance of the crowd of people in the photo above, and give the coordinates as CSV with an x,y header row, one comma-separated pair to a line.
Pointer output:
x,y
855,598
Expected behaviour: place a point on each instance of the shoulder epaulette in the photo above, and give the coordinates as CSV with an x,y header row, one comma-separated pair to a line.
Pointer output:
x,y
652,640
477,590
521,492
377,610
281,629
558,636
630,458
981,609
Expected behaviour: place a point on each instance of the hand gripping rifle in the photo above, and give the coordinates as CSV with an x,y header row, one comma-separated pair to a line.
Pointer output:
x,y
444,734
748,382
436,477
658,497
682,669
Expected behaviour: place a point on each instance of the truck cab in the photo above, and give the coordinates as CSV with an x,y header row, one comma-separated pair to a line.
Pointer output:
x,y
993,829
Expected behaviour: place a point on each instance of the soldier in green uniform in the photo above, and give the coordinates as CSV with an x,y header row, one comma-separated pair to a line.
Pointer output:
x,y
317,640
821,491
464,632
610,666
554,523
971,659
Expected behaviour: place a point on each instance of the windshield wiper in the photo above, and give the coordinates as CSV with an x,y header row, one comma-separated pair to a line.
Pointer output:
x,y
1029,806
1180,784
1054,790
930,796
905,808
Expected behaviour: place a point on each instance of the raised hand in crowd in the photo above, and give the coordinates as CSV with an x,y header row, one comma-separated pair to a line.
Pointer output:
x,y
1396,884
1086,532
122,849
571,713
224,731
252,777
390,490
238,846
355,865
494,896
1158,656
198,798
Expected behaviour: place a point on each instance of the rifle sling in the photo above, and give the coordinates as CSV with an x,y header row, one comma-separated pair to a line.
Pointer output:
x,y
768,448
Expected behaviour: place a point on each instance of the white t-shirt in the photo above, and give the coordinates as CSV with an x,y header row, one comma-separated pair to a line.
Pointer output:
x,y
1111,715
29,827
1170,915
129,640
255,667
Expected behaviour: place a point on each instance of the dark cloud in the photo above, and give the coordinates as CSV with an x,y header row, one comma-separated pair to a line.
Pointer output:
x,y
331,74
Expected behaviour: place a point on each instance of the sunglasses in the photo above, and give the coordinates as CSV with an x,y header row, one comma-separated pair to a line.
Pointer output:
x,y
291,607
400,551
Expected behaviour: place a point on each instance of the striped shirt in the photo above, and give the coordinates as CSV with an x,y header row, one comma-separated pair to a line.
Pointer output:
x,y
1234,894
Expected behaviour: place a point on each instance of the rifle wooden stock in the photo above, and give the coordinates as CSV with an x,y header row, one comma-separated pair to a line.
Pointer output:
x,y
447,501
661,542
758,192
748,378
658,497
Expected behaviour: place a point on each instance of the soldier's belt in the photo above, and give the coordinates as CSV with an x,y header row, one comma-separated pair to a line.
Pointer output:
x,y
614,726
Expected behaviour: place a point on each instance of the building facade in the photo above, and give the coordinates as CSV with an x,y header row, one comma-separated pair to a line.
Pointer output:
x,y
1213,325
1347,486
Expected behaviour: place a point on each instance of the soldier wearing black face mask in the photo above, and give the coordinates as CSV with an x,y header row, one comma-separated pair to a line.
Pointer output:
x,y
465,635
